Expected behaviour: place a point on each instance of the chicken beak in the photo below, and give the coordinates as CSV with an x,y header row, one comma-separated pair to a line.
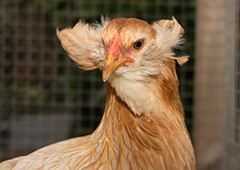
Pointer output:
x,y
110,65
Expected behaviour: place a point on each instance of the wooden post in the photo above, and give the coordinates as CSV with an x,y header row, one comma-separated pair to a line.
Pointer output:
x,y
214,82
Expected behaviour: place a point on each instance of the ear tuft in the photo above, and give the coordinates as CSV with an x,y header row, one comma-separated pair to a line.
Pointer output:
x,y
83,43
181,60
169,34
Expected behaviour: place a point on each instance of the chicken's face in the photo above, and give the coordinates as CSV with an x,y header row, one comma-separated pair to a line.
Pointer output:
x,y
129,51
126,42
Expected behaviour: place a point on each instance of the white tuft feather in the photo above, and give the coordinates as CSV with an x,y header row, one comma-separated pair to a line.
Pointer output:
x,y
83,43
169,34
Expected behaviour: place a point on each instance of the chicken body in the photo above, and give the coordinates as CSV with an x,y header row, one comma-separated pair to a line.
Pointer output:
x,y
143,130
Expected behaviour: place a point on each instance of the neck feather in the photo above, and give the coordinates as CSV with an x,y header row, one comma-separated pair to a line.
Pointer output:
x,y
148,141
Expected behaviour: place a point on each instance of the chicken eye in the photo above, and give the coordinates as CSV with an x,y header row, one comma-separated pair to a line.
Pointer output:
x,y
138,44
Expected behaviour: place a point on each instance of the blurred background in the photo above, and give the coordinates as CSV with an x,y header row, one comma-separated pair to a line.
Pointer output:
x,y
45,97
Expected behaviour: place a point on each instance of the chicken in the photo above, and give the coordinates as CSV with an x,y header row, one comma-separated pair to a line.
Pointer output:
x,y
143,123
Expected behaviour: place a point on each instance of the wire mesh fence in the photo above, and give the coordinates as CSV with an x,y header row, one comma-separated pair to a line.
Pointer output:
x,y
234,154
215,62
44,96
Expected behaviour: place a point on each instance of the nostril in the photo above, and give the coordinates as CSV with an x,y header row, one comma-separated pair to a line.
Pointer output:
x,y
116,57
